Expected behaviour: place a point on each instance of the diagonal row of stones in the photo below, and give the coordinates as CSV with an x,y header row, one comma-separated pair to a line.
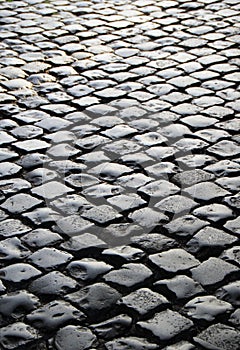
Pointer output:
x,y
119,175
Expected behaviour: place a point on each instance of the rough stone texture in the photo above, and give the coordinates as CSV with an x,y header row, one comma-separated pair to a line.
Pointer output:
x,y
219,336
210,237
212,271
166,325
129,275
119,174
174,260
143,301
75,338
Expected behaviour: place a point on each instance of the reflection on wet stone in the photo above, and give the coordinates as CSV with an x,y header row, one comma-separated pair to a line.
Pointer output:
x,y
119,175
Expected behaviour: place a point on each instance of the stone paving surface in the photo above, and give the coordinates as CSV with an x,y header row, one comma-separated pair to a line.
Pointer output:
x,y
119,175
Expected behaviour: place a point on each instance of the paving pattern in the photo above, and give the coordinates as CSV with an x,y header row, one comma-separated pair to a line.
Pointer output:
x,y
119,175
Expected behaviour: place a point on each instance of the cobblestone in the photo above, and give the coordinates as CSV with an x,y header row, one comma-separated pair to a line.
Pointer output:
x,y
119,175
166,324
72,337
219,335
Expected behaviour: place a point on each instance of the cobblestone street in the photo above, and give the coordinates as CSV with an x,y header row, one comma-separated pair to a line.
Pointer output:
x,y
119,175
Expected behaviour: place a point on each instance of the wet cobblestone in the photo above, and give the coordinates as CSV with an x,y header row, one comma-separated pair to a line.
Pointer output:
x,y
119,175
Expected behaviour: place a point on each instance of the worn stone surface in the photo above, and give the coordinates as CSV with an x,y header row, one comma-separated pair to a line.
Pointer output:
x,y
132,342
20,203
219,336
73,337
206,307
19,272
98,296
210,237
230,293
174,260
49,258
17,334
119,175
12,248
166,325
53,283
54,314
143,301
181,287
17,304
212,271
88,269
113,327
129,275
